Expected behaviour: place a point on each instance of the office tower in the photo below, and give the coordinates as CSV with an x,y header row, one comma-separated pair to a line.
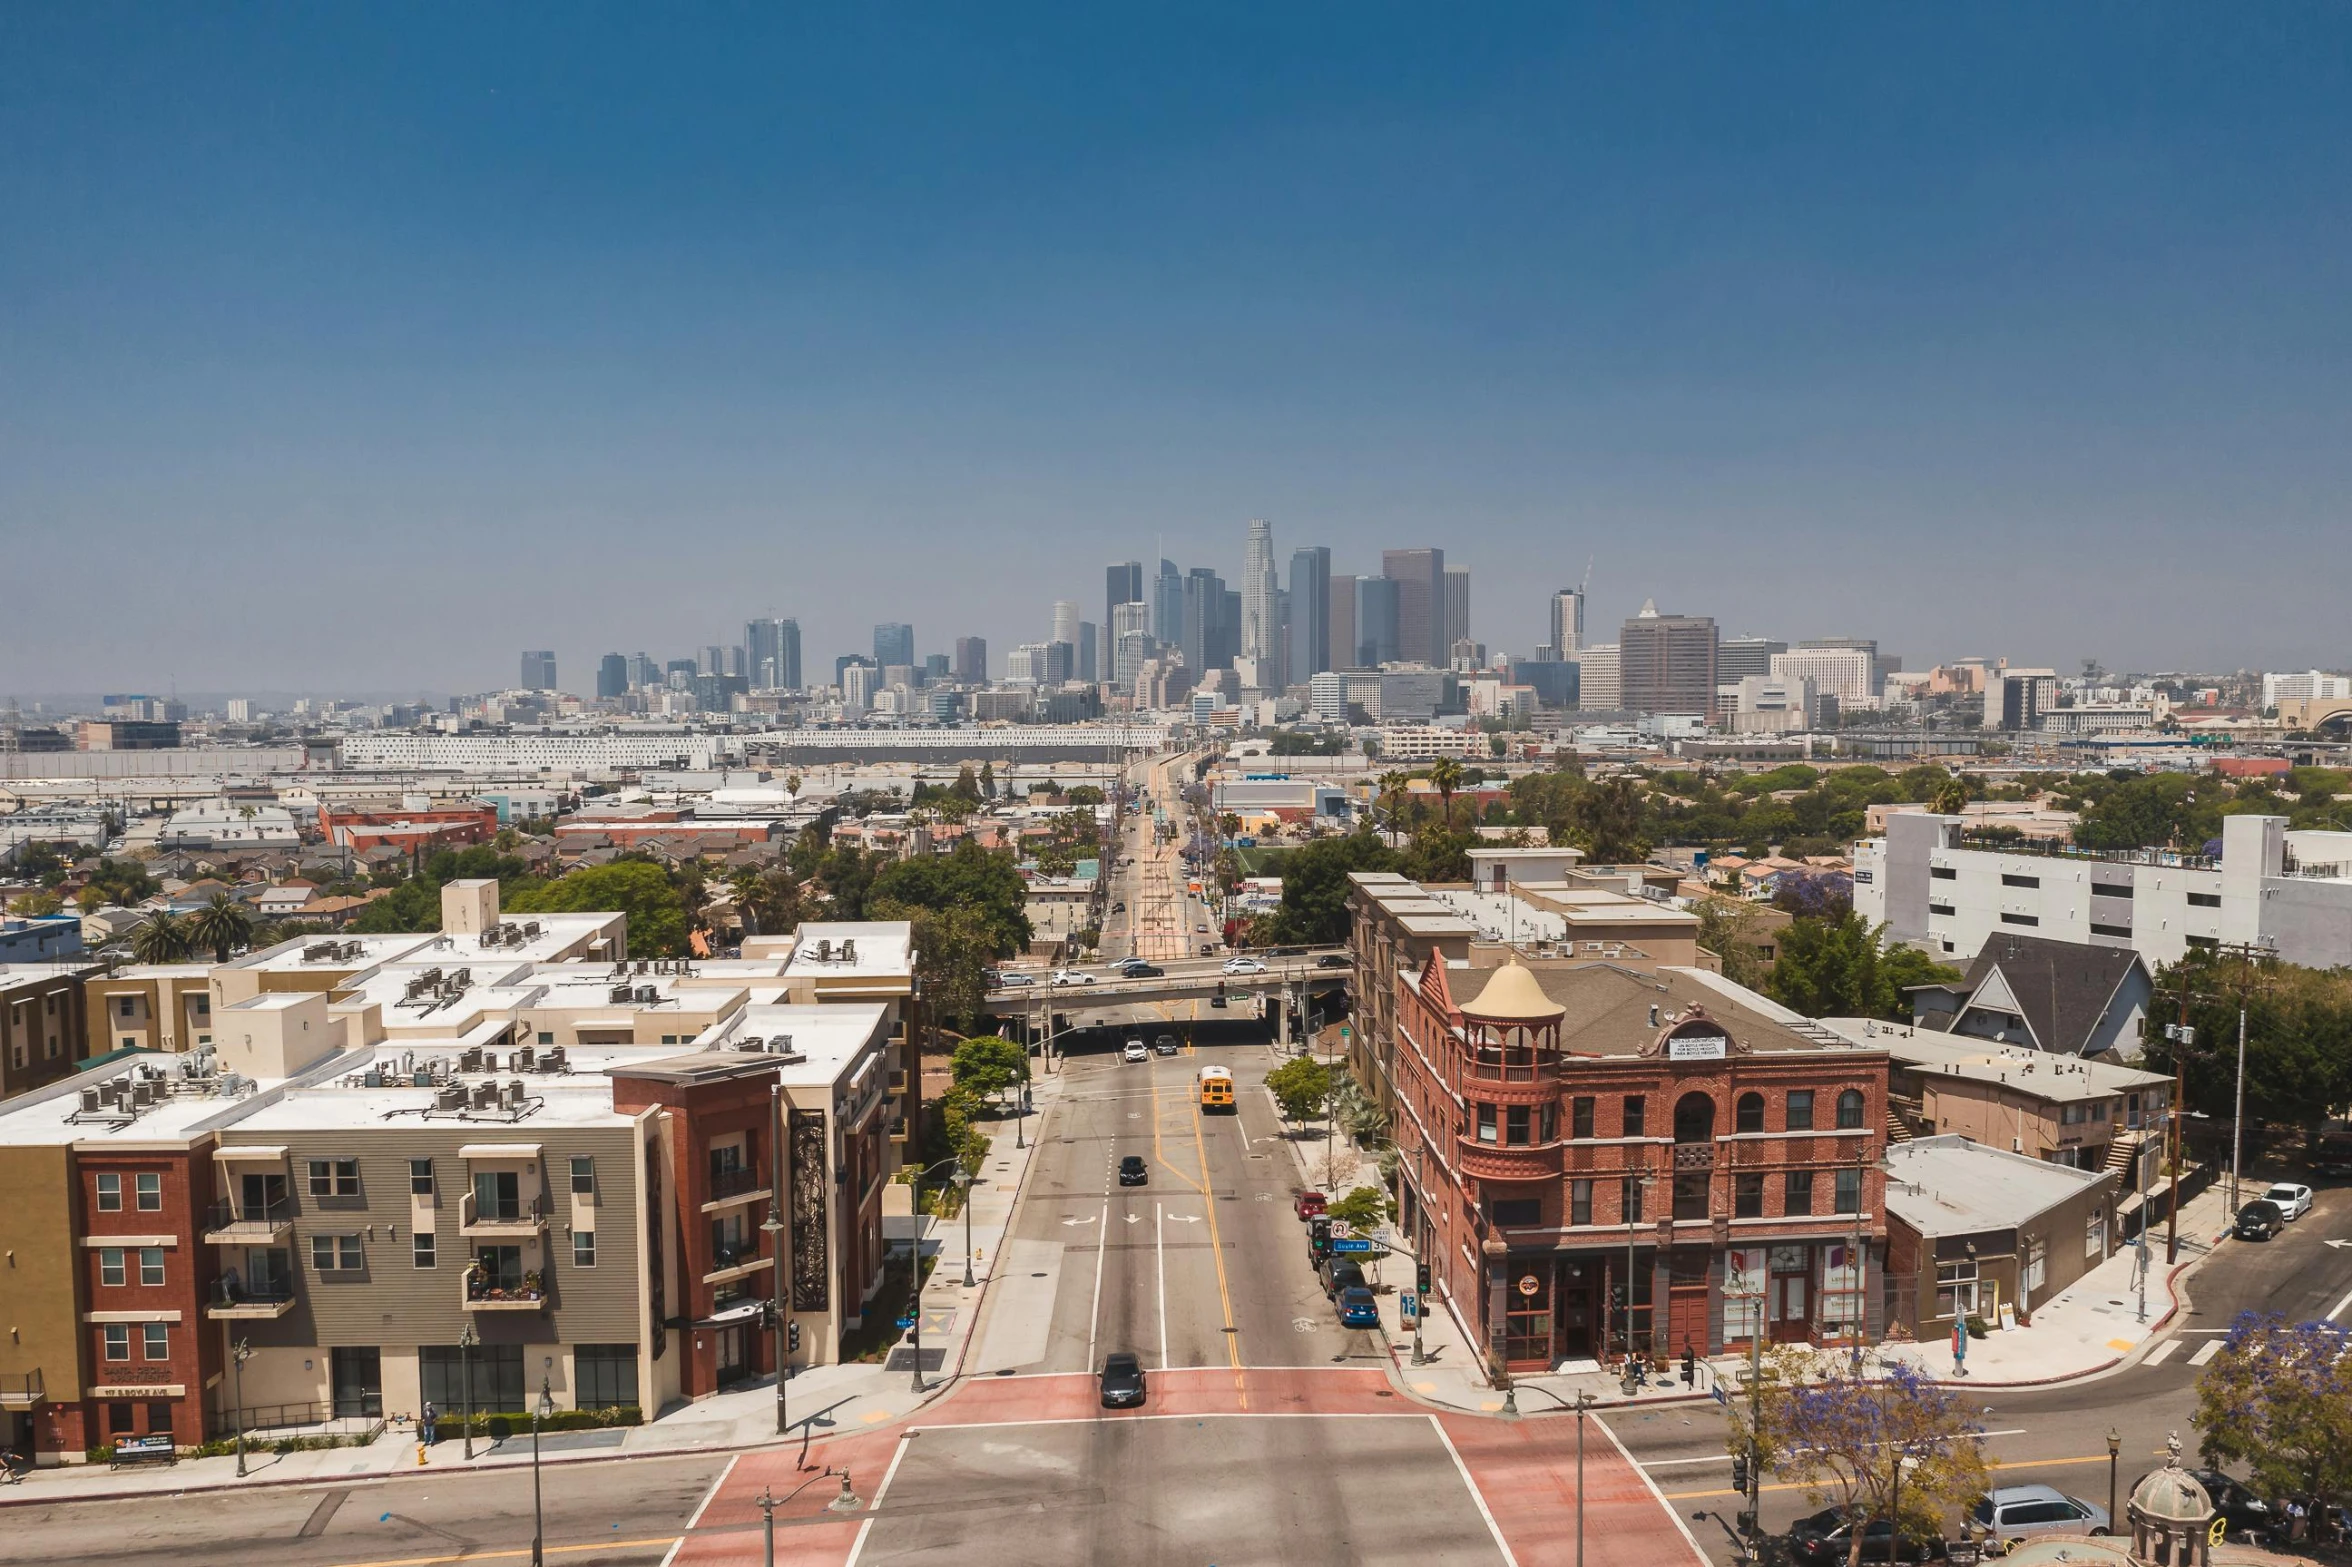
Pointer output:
x,y
1211,632
1065,622
1600,685
539,671
1666,663
1339,640
643,672
971,660
1379,611
843,664
1130,640
713,660
1028,663
1567,622
612,677
788,655
1420,604
763,653
1457,605
678,674
1168,604
894,643
858,684
1847,672
1738,658
1260,613
1880,665
1089,653
1122,584
935,668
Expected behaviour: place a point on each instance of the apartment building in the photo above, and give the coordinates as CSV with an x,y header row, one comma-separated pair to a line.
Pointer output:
x,y
1940,886
44,1034
164,1007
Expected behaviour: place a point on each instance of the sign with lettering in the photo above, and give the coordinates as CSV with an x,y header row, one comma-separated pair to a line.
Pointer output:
x,y
1530,1285
1708,1047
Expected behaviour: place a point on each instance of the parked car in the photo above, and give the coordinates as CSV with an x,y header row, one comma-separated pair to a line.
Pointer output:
x,y
2293,1201
1244,966
1071,976
1340,1274
1218,999
1827,1537
1132,1171
1166,1044
2239,1507
1310,1205
1133,1051
1122,1382
1357,1308
1335,960
2016,1513
2260,1220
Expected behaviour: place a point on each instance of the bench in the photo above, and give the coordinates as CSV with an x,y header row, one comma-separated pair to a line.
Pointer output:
x,y
131,1451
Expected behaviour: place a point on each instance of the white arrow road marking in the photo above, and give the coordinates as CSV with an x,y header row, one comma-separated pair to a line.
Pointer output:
x,y
2338,1245
1134,1218
1084,1218
1185,1218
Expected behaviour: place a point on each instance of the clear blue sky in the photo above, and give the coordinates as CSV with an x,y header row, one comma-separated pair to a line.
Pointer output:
x,y
363,346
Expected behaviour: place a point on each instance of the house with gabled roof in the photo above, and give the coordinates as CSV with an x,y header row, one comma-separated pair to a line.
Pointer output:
x,y
2059,996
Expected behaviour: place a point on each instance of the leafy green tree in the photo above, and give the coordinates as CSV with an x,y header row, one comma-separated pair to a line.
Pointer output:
x,y
1951,796
1608,821
1732,930
1301,1087
161,938
37,905
1837,966
640,889
223,924
1314,911
2298,1037
1438,854
983,883
988,1064
1085,795
2277,1397
1365,1208
953,949
2161,809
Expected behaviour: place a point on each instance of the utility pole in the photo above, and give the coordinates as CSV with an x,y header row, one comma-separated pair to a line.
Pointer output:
x,y
2180,1051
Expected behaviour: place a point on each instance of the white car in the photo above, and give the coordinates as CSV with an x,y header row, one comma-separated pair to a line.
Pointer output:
x,y
1134,1051
2293,1201
1244,966
1071,976
1009,980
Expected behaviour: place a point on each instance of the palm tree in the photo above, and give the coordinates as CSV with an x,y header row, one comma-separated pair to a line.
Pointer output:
x,y
161,938
1392,787
223,925
1950,796
1446,775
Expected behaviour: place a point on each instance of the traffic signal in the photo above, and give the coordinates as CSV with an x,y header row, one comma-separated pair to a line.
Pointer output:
x,y
792,1338
1690,1367
1319,1235
1739,1473
1421,1278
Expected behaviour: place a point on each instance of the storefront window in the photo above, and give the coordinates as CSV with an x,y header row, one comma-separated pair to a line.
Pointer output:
x,y
1841,1290
1956,1288
1743,1293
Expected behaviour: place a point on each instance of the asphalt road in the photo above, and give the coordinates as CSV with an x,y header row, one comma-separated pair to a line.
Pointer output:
x,y
2058,1436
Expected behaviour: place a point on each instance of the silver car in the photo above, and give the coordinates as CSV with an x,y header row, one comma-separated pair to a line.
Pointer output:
x,y
2020,1512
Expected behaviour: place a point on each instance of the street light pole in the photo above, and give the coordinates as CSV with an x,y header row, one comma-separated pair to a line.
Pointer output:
x,y
2238,1109
539,1411
963,1181
467,1338
2114,1449
239,1353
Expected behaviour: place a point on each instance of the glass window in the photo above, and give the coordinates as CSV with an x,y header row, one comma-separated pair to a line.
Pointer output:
x,y
2037,1263
583,1175
159,1418
151,1265
1635,1113
1486,1123
420,1177
1747,1196
1800,1110
322,1178
1580,1202
1551,1121
336,1253
1849,1192
1515,1124
110,1265
496,1371
1956,1288
1690,1197
1516,1213
150,1189
129,1007
1743,1292
545,1037
420,1249
110,1194
2095,1234
1849,1110
157,1337
1580,1116
1629,1198
605,1375
583,1248
1797,1193
1749,1115
118,1340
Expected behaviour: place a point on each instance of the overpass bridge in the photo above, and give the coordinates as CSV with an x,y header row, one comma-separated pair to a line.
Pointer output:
x,y
1291,986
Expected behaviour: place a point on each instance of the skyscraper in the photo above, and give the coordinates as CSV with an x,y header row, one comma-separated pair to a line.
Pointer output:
x,y
612,677
1260,612
1211,636
1567,623
971,660
1168,603
538,670
763,653
643,672
894,643
1310,613
1131,642
1339,642
1420,605
1379,602
788,655
1666,663
1122,584
1457,605
1089,639
1736,658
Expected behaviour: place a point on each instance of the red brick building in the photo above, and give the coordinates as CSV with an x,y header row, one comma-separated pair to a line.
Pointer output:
x,y
1573,1135
145,1280
448,827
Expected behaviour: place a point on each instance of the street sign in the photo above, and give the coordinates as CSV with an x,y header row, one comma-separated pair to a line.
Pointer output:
x,y
905,1323
1722,1395
1351,1247
1530,1285
1341,1229
1408,1306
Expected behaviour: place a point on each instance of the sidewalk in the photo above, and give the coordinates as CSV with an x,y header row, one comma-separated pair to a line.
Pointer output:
x,y
828,1399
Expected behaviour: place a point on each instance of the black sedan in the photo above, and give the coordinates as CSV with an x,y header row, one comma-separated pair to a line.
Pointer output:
x,y
1828,1536
1132,1172
2260,1220
2240,1507
1122,1382
1334,960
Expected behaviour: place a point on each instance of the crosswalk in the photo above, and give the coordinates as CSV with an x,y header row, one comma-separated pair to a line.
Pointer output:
x,y
2206,1351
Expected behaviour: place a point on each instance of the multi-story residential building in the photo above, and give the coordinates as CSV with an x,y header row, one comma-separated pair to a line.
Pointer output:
x,y
164,1007
1421,632
1939,886
1567,624
2016,699
44,1029
1666,663
1594,1159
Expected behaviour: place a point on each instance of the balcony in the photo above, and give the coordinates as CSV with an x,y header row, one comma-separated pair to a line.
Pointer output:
x,y
21,1389
503,1293
261,1300
1507,1161
512,1219
249,1224
731,1188
735,1262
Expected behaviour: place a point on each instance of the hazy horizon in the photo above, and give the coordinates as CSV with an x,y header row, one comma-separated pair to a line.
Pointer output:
x,y
357,350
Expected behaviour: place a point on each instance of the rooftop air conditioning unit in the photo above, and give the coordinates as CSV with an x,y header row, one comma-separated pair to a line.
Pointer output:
x,y
524,1057
849,951
514,1092
485,1095
452,1097
648,993
751,1042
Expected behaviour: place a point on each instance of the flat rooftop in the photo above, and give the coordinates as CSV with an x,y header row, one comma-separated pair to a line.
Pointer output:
x,y
1951,1186
2043,1074
878,950
53,1116
828,1038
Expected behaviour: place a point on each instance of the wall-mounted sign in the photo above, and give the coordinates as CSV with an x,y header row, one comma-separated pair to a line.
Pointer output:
x,y
1708,1047
1529,1285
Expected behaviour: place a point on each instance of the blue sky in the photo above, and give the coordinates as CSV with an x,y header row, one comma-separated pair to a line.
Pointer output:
x,y
358,348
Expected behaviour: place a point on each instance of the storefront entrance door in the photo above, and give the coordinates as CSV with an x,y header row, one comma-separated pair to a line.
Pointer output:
x,y
1527,1320
1791,1294
730,1349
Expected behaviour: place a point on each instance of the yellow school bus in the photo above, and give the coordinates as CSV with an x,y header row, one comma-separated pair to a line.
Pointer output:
x,y
1216,1090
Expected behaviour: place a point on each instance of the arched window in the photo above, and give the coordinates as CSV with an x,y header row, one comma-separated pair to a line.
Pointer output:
x,y
1694,1119
1850,1110
1749,1117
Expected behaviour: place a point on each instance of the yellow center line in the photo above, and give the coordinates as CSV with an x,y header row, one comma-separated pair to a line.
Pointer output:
x,y
1217,1255
2015,1463
524,1551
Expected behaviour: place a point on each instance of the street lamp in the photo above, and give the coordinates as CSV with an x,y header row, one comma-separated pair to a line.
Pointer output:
x,y
846,1502
915,1311
963,1185
239,1353
2114,1450
467,1342
539,1411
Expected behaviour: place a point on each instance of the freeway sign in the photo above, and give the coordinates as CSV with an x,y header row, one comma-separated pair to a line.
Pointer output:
x,y
1347,1247
1408,1306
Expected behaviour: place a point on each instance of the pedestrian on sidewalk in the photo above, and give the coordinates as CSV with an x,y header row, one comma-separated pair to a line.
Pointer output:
x,y
1959,1345
432,1433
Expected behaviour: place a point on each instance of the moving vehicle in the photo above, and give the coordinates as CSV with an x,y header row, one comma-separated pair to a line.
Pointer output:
x,y
1164,1045
1339,1275
1244,966
1310,1205
1215,1086
1071,976
1334,960
2293,1201
1357,1309
2260,1220
2016,1513
1136,968
1008,979
1828,1536
1133,1051
1208,948
1122,1382
1202,928
1132,1171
